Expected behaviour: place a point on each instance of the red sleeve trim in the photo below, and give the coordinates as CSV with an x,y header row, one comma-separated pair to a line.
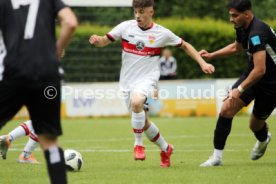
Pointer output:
x,y
110,37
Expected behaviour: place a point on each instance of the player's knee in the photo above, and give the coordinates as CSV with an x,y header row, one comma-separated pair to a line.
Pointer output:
x,y
136,105
226,112
255,126
47,140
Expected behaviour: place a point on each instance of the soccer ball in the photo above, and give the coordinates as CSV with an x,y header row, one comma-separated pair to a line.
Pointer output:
x,y
73,160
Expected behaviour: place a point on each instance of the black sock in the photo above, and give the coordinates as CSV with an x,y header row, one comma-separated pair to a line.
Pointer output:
x,y
222,131
261,135
56,165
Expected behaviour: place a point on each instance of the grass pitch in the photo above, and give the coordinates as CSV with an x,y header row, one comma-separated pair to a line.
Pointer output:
x,y
107,148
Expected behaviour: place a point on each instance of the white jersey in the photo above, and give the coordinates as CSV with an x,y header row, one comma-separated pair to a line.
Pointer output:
x,y
140,51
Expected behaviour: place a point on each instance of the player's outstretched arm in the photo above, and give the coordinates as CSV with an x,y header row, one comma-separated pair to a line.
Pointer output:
x,y
190,50
226,51
69,23
99,41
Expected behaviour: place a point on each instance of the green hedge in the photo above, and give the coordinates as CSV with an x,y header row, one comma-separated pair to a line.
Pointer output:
x,y
87,63
205,34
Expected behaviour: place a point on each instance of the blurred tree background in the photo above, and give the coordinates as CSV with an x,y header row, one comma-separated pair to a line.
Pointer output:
x,y
216,9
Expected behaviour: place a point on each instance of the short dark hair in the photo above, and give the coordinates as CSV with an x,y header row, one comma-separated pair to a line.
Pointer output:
x,y
142,3
240,5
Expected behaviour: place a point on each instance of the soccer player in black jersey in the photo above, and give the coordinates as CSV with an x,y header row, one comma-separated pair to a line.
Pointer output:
x,y
29,71
258,82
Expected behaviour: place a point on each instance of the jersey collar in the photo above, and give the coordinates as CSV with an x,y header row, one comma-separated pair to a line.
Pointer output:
x,y
145,29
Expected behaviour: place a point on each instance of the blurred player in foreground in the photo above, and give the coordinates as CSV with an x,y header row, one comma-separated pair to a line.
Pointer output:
x,y
29,71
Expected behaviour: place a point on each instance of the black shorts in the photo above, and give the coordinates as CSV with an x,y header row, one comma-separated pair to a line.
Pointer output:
x,y
44,110
264,104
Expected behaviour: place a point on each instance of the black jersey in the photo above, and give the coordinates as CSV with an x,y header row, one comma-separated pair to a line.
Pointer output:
x,y
257,37
27,41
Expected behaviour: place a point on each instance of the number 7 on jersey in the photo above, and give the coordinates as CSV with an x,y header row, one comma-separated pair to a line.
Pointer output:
x,y
31,17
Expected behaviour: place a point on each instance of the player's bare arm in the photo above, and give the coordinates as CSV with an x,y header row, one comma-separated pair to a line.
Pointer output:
x,y
190,50
99,41
230,49
258,71
255,75
69,23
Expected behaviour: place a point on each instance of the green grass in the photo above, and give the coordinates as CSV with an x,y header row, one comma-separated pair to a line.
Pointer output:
x,y
106,146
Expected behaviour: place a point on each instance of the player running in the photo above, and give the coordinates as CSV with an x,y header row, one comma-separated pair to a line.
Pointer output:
x,y
142,41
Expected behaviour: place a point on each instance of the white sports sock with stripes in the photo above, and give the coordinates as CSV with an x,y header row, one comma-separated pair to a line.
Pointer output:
x,y
21,131
138,123
29,125
154,136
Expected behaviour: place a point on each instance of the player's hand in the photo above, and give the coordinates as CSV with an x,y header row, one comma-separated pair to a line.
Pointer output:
x,y
60,52
94,39
205,54
227,96
234,94
208,68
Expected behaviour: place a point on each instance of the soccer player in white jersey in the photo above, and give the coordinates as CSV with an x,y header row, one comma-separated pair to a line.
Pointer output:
x,y
25,129
142,41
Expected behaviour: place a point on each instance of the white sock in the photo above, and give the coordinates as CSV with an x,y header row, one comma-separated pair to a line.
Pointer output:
x,y
218,153
29,147
138,123
29,125
154,136
21,131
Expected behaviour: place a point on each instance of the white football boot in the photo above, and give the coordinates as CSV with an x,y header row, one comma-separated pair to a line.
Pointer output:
x,y
260,148
212,161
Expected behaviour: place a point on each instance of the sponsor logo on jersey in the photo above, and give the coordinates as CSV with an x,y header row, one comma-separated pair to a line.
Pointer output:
x,y
140,45
146,51
152,39
256,40
131,36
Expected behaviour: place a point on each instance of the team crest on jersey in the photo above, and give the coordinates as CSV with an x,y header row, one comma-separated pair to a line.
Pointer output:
x,y
140,45
152,39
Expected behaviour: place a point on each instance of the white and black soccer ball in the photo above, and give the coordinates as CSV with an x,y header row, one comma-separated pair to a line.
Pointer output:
x,y
73,160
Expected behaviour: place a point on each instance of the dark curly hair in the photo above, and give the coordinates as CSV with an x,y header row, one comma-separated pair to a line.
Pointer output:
x,y
240,5
142,3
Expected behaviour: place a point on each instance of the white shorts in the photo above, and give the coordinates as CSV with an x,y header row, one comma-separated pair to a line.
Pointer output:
x,y
147,88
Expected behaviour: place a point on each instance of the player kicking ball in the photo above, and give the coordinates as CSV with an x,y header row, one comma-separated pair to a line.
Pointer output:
x,y
25,129
142,41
